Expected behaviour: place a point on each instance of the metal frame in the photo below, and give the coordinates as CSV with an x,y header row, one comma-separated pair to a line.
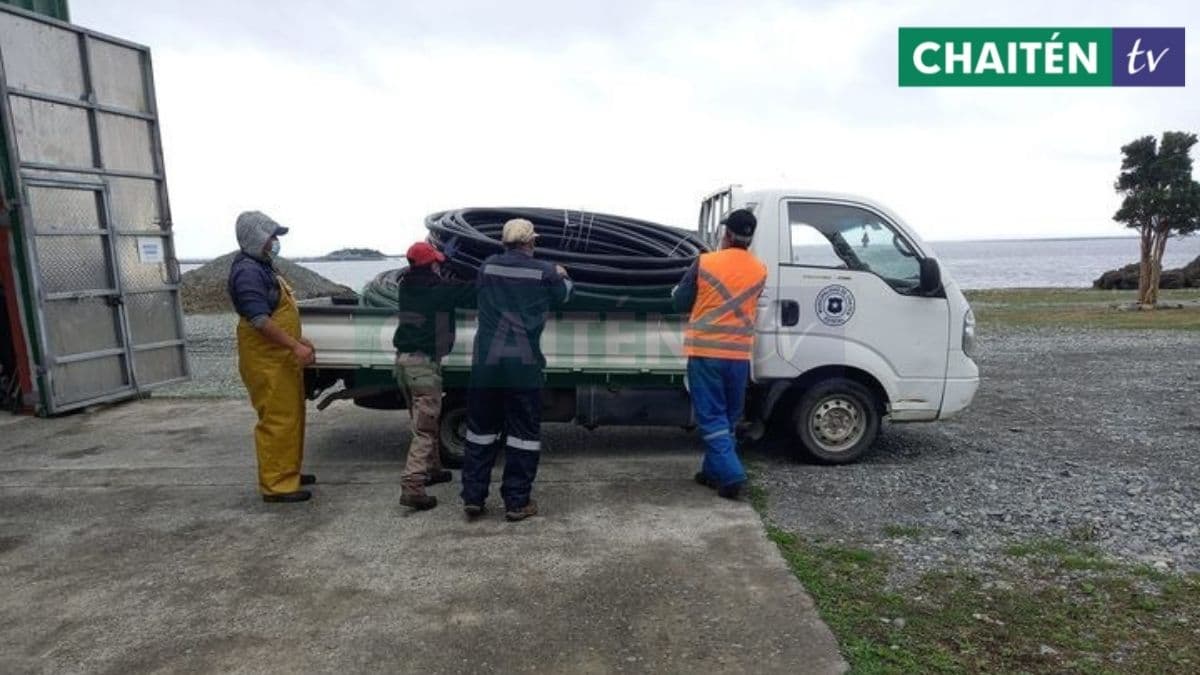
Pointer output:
x,y
26,228
61,100
712,208
113,269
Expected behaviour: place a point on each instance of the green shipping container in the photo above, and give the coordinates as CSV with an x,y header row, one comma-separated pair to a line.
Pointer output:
x,y
52,8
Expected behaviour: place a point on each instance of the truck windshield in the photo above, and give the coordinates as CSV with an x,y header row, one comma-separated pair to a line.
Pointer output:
x,y
848,237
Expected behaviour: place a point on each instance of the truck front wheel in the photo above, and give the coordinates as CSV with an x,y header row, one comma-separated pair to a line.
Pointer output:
x,y
837,420
452,431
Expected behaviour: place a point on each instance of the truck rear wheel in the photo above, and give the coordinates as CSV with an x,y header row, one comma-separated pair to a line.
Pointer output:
x,y
452,431
837,421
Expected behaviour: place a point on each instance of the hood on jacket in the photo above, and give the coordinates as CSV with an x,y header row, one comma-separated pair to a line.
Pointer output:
x,y
254,230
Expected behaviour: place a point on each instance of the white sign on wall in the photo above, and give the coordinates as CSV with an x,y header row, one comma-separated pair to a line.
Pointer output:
x,y
150,250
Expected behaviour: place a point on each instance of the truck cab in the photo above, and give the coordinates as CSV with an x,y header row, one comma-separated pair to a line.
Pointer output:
x,y
857,322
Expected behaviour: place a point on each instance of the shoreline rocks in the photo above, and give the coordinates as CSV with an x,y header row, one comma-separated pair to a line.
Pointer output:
x,y
1126,278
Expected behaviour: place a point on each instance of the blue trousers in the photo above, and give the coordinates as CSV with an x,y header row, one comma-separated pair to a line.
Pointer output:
x,y
718,389
498,415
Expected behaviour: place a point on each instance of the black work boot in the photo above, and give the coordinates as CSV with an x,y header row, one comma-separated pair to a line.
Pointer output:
x,y
418,502
288,497
731,491
515,515
308,479
439,476
474,511
704,479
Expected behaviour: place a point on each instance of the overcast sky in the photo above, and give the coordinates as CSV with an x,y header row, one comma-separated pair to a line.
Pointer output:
x,y
350,121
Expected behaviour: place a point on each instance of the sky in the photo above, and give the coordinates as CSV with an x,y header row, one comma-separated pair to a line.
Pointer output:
x,y
351,121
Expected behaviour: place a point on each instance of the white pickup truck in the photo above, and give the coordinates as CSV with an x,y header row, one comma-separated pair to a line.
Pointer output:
x,y
857,324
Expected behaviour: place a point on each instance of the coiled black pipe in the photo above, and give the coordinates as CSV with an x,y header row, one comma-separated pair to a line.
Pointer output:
x,y
617,263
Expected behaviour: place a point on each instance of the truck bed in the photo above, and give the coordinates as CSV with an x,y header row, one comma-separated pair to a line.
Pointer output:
x,y
579,346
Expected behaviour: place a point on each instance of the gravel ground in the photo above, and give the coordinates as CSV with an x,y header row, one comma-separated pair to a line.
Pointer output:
x,y
212,353
1085,435
1079,434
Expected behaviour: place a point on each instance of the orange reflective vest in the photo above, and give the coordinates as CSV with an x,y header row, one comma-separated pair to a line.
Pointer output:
x,y
727,289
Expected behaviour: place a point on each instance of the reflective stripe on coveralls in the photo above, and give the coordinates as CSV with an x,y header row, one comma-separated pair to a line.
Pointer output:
x,y
275,382
722,321
518,412
481,439
523,444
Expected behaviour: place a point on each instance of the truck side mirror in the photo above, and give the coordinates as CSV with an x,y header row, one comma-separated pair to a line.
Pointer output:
x,y
931,277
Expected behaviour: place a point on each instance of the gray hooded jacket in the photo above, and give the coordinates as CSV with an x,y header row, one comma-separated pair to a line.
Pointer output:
x,y
253,287
254,230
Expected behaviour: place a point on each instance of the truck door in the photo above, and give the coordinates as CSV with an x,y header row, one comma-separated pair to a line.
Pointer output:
x,y
88,206
849,295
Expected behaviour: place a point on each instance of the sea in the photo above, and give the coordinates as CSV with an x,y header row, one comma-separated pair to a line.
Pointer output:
x,y
1009,263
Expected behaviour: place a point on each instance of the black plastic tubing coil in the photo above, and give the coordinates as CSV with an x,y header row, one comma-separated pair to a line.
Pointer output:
x,y
616,263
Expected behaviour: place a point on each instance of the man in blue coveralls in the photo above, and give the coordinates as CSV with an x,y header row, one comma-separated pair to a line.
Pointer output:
x,y
504,397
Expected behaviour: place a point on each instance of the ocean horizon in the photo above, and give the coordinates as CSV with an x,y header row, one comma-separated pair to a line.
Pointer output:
x,y
1052,262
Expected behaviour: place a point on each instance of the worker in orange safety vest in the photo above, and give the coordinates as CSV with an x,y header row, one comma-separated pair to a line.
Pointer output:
x,y
721,293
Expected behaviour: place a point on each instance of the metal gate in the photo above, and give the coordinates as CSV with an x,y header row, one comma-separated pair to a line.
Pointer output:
x,y
81,129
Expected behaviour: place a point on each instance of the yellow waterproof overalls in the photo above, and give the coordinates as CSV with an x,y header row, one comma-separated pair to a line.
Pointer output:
x,y
275,380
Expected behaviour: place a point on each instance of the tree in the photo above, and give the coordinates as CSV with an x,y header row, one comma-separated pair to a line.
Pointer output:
x,y
1161,200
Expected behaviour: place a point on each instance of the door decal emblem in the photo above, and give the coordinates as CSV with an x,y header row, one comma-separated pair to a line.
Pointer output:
x,y
835,305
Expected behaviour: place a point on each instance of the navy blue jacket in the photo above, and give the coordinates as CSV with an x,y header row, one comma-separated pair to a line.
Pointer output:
x,y
253,288
427,303
515,293
683,296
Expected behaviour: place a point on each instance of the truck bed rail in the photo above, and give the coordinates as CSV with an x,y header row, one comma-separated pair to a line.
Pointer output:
x,y
619,344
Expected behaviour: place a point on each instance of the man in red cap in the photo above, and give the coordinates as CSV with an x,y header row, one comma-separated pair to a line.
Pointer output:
x,y
425,334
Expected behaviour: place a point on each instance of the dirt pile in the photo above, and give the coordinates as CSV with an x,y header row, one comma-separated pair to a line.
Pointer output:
x,y
1126,278
204,288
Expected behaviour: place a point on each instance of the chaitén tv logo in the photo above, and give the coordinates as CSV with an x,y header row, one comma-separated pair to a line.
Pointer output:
x,y
1041,57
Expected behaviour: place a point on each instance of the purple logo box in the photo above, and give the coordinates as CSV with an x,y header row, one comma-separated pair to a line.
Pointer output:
x,y
1147,57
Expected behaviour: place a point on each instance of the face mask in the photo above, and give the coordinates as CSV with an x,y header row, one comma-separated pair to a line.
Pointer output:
x,y
275,248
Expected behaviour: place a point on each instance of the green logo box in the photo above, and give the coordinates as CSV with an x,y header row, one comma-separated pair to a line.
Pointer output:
x,y
1006,57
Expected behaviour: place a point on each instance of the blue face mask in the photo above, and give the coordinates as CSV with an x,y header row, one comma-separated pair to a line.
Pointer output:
x,y
274,248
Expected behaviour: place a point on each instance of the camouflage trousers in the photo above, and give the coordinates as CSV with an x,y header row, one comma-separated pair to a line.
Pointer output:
x,y
420,378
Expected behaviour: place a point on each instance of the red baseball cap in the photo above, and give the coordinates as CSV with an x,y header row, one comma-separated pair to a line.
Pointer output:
x,y
422,253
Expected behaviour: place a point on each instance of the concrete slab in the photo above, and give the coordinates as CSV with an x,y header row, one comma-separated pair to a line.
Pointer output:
x,y
132,540
7,418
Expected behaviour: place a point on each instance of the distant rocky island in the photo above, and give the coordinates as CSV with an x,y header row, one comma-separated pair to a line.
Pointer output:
x,y
340,255
354,254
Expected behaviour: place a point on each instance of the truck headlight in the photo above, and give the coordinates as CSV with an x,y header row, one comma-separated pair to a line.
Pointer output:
x,y
968,335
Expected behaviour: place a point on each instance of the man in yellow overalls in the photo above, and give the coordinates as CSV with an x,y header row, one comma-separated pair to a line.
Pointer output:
x,y
271,358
